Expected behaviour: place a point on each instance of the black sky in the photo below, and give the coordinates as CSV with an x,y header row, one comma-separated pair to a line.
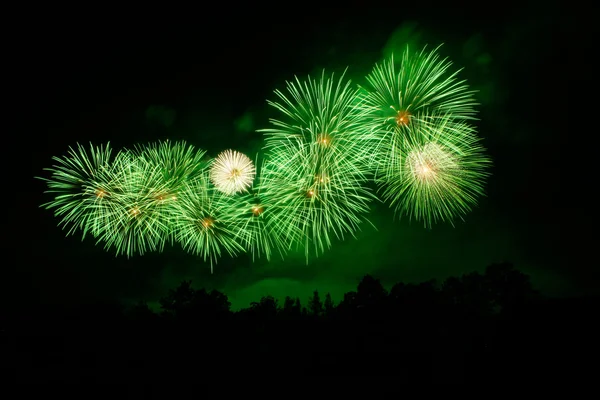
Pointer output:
x,y
91,78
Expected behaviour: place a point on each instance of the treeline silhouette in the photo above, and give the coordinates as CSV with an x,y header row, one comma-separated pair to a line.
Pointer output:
x,y
477,327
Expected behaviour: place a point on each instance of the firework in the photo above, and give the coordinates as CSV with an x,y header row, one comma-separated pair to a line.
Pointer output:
x,y
399,93
179,162
317,196
125,202
232,172
143,206
435,170
315,161
409,130
322,113
205,223
262,230
155,179
85,186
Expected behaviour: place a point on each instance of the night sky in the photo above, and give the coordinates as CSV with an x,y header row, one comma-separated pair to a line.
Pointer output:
x,y
205,78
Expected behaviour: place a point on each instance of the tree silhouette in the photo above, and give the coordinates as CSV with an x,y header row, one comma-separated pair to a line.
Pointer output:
x,y
186,303
315,307
141,312
266,308
298,306
178,301
328,305
469,295
288,307
371,294
349,303
508,288
469,326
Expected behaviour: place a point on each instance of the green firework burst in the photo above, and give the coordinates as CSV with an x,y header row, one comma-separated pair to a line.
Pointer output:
x,y
419,84
259,214
315,161
322,112
318,195
435,170
178,162
409,129
84,185
143,206
163,168
205,222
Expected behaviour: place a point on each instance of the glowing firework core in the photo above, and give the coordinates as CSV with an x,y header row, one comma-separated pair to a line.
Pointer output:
x,y
232,172
207,222
257,210
426,163
403,118
324,139
163,197
322,178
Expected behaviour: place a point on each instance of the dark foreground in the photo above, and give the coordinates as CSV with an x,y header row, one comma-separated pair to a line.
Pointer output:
x,y
488,327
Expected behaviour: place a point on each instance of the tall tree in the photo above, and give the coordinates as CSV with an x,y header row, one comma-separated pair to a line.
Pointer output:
x,y
370,292
298,309
266,308
288,306
315,306
328,304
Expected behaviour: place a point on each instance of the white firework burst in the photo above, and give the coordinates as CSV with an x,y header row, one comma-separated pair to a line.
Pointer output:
x,y
232,172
